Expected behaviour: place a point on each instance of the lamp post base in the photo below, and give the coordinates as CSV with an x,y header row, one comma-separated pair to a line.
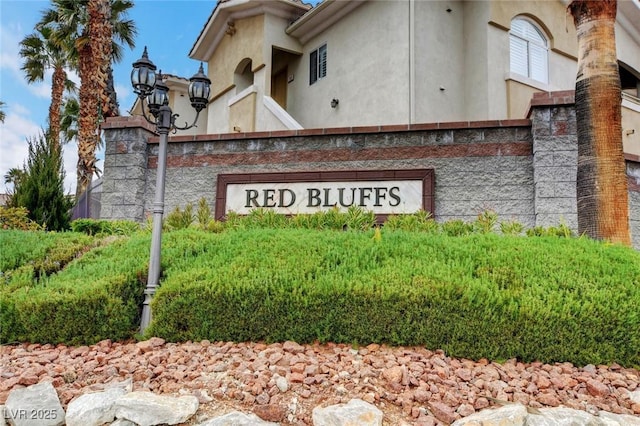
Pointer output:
x,y
145,320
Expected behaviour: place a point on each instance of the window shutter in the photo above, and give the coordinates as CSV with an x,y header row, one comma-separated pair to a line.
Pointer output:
x,y
528,51
538,64
322,61
519,63
313,67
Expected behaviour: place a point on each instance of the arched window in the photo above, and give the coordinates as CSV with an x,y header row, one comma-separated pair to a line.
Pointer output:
x,y
243,76
529,51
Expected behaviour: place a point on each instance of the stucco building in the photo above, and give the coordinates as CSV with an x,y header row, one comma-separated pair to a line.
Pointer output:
x,y
468,103
282,64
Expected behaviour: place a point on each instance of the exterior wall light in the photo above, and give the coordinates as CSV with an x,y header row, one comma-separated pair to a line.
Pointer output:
x,y
334,102
151,88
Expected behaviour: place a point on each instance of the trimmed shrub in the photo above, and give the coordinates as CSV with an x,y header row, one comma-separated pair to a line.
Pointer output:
x,y
96,297
105,227
17,218
477,296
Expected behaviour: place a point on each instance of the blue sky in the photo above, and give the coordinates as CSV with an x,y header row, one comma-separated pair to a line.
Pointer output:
x,y
167,27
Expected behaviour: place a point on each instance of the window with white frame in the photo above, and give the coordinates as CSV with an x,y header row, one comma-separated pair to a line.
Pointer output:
x,y
529,51
318,64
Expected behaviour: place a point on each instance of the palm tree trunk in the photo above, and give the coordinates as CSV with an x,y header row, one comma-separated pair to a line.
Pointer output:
x,y
101,39
603,209
87,120
92,89
59,79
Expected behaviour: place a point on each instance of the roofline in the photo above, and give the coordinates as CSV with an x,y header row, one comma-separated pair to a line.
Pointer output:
x,y
321,17
213,30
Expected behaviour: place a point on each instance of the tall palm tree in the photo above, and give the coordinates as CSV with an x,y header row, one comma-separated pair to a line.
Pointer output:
x,y
603,209
69,122
40,53
96,29
2,114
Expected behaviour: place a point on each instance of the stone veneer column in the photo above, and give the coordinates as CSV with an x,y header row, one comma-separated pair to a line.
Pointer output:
x,y
555,158
125,165
633,174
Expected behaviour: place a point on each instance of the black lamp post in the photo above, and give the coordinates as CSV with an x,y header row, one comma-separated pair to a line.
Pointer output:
x,y
151,87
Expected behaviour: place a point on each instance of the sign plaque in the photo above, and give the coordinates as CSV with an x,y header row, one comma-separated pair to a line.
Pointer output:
x,y
383,192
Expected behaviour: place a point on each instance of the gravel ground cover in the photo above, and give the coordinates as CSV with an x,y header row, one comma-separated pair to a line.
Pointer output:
x,y
283,382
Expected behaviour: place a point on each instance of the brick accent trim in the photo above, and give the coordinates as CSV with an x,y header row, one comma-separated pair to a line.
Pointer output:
x,y
345,154
394,128
128,122
561,97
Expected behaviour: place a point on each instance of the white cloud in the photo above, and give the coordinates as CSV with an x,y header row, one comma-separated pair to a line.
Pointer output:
x,y
125,98
13,140
70,160
14,149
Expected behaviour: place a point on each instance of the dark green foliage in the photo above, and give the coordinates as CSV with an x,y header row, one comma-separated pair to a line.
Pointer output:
x,y
104,227
477,296
40,190
97,296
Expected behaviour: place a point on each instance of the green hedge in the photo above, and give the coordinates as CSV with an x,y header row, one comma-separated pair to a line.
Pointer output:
x,y
499,297
97,296
478,295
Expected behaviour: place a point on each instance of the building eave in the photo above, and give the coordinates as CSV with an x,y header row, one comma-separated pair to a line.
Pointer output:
x,y
231,10
321,17
629,17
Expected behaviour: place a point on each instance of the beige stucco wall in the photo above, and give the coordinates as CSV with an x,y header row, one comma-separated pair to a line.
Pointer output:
x,y
370,79
631,125
627,49
388,60
245,43
438,61
476,88
242,114
550,14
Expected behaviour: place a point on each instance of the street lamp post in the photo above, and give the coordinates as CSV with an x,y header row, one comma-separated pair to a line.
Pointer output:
x,y
151,87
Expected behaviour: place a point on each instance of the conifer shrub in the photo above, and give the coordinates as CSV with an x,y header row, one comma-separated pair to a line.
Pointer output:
x,y
95,297
17,218
102,227
474,294
481,295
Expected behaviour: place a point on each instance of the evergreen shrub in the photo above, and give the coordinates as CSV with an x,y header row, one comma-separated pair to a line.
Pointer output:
x,y
17,218
105,227
481,295
95,297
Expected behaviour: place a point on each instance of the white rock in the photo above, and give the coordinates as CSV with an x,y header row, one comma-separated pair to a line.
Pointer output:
x,y
122,422
562,416
635,396
281,383
355,413
36,405
148,409
618,419
512,415
126,385
94,409
236,418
